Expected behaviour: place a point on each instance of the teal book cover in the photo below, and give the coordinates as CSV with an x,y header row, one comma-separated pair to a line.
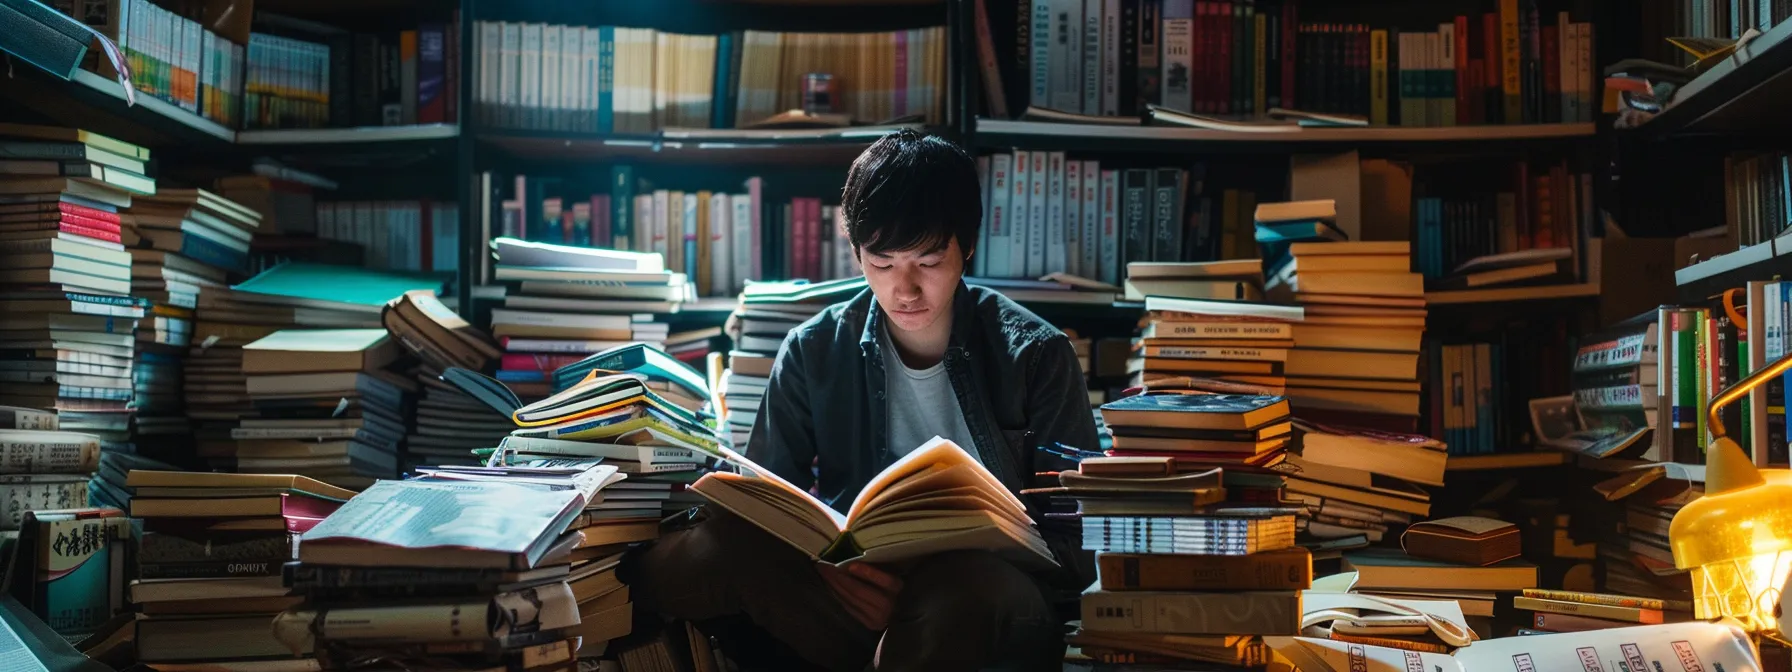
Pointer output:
x,y
75,567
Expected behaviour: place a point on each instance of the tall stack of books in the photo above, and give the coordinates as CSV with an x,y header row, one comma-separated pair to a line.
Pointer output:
x,y
399,588
1192,567
1569,611
574,301
1356,353
1358,484
294,376
451,424
65,278
1216,346
182,243
767,313
211,558
44,468
292,295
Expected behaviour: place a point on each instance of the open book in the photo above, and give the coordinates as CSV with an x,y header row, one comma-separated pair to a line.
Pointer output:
x,y
937,498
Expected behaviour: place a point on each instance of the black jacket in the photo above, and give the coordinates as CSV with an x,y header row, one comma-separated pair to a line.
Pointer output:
x,y
1016,378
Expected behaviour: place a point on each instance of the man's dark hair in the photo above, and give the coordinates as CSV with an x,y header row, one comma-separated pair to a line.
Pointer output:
x,y
909,191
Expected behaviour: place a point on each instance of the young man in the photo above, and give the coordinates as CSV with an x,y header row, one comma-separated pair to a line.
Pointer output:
x,y
864,382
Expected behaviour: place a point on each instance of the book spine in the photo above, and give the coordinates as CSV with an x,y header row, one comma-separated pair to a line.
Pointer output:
x,y
1110,270
1549,44
1055,240
1134,209
1038,231
1090,57
1458,61
1040,57
1571,623
1229,613
1259,64
1512,108
208,570
1089,242
606,87
1166,244
1601,599
1262,571
1149,53
1178,54
1378,77
997,252
47,454
1604,611
17,498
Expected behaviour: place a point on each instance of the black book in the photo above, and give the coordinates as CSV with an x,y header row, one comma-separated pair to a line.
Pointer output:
x,y
1135,213
1271,11
1226,412
366,83
342,81
1166,214
1129,59
390,69
1148,50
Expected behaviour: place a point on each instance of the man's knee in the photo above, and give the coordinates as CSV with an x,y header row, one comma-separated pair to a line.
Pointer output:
x,y
975,584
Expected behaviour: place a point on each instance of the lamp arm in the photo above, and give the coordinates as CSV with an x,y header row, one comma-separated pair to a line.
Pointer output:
x,y
1734,392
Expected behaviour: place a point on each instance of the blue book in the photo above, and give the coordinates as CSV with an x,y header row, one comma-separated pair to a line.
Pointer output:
x,y
635,358
606,82
1313,230
622,206
1196,411
721,109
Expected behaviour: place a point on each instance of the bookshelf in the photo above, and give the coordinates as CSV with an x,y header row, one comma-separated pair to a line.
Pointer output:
x,y
1049,135
1745,92
829,147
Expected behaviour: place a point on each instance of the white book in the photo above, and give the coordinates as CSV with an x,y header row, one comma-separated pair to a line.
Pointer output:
x,y
1066,46
1090,241
1110,56
191,55
662,209
1020,212
1178,41
1446,54
1054,214
1000,246
572,75
643,240
1092,57
1037,233
531,85
1040,54
486,38
551,52
588,78
1072,200
980,262
720,261
741,240
1110,227
510,58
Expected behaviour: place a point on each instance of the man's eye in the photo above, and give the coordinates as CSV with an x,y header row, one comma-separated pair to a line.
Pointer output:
x,y
930,264
881,267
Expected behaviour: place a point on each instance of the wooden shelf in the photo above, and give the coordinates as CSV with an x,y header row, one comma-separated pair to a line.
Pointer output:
x,y
1004,133
836,147
362,134
1506,461
1507,294
1747,92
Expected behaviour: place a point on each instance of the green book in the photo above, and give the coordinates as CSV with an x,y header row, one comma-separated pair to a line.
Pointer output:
x,y
299,283
635,358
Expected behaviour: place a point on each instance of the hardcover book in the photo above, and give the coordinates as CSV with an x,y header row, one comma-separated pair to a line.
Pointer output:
x,y
1234,412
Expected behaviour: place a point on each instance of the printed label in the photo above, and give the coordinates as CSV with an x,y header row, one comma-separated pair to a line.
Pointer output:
x,y
1689,659
1589,659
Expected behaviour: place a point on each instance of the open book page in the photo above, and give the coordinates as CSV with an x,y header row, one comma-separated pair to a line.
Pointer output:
x,y
940,491
772,503
935,453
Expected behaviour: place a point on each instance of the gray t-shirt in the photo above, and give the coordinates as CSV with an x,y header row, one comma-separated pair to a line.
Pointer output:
x,y
921,405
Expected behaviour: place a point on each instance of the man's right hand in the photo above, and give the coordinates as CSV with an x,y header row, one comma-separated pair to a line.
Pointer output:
x,y
868,593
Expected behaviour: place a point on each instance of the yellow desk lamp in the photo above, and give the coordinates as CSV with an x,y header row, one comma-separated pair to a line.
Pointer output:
x,y
1737,538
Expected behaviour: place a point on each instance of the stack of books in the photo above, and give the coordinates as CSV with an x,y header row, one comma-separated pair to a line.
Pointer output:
x,y
573,301
1391,572
326,406
399,587
1057,289
1357,484
1636,555
1569,611
183,242
1192,568
1247,435
210,562
451,424
291,295
1356,353
44,468
1236,280
65,278
1215,346
767,313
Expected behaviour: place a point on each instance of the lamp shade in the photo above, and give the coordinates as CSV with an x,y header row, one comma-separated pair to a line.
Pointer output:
x,y
1737,539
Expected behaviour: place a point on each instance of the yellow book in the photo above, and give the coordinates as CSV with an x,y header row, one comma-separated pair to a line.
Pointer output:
x,y
935,499
703,245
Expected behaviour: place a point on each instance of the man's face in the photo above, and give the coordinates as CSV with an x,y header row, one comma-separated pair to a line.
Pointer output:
x,y
915,287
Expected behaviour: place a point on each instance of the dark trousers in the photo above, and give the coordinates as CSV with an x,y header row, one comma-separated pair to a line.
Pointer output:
x,y
964,610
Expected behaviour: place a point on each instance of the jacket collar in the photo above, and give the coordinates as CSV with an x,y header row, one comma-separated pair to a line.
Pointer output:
x,y
963,316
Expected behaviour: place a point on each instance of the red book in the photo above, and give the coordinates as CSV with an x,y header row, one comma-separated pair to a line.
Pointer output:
x,y
426,234
1206,50
1521,189
1289,33
96,234
25,211
536,362
50,228
1222,85
1573,623
1492,107
49,220
812,236
1552,76
601,233
1464,111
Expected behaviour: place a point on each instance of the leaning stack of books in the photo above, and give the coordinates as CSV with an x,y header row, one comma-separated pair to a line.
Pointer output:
x,y
1636,555
1356,353
767,313
1569,611
1182,554
326,406
1213,346
292,295
43,468
1357,484
451,423
210,561
65,278
565,300
399,588
183,242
